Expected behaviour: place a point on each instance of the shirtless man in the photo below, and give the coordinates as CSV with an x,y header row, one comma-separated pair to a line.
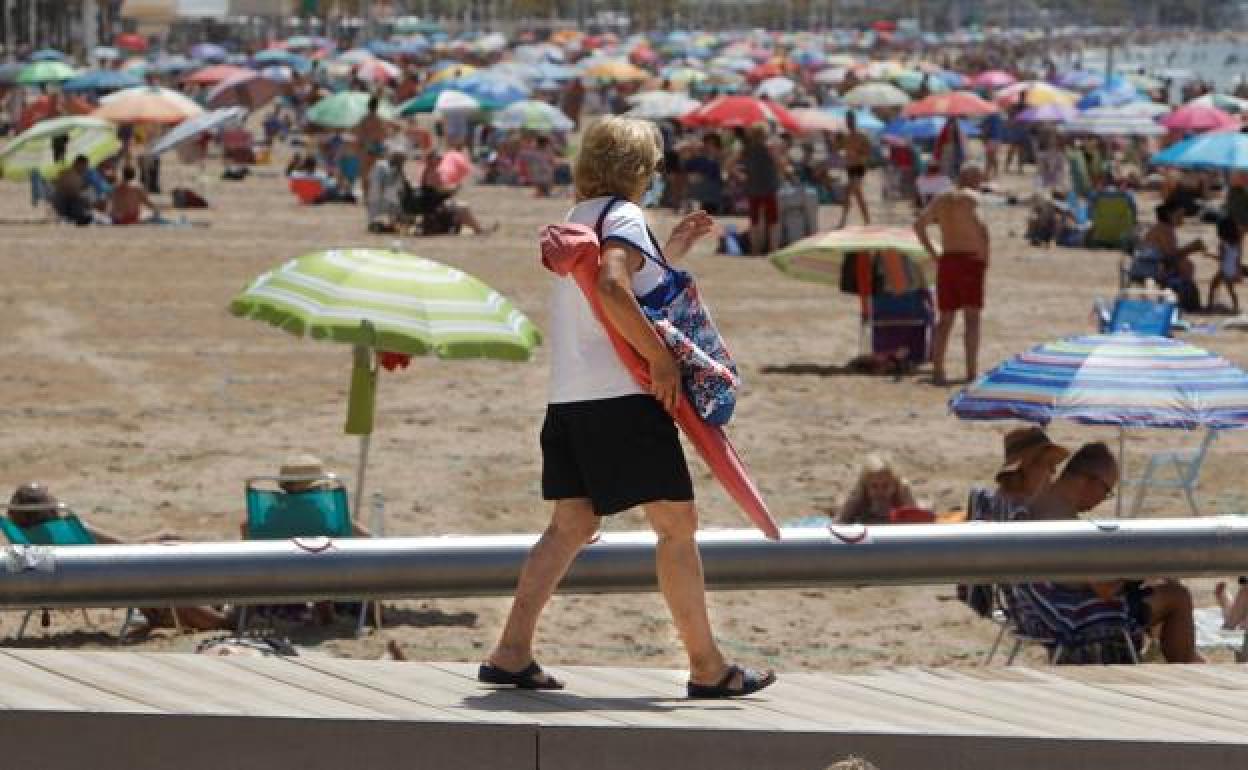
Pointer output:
x,y
125,207
961,264
857,151
370,140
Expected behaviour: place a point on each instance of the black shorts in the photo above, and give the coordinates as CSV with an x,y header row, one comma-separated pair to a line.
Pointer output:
x,y
856,172
617,452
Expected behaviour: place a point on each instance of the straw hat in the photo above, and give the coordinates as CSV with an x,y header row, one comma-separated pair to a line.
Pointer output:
x,y
305,465
1023,445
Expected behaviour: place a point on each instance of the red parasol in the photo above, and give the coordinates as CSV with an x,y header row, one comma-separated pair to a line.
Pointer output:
x,y
960,104
131,42
733,111
218,73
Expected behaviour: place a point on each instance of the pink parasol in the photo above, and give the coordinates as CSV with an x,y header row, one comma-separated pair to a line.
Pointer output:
x,y
454,168
962,104
1199,118
993,79
218,73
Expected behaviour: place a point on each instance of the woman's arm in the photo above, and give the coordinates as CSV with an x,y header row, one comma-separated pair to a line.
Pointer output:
x,y
615,291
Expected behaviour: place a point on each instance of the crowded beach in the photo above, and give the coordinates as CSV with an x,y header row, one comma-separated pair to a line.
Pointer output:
x,y
888,229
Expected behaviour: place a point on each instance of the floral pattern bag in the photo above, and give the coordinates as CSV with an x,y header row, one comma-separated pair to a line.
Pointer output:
x,y
709,376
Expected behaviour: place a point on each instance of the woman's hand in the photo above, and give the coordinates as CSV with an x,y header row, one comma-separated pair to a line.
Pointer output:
x,y
665,380
687,232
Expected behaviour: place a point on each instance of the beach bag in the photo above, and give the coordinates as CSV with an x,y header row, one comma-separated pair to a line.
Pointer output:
x,y
675,307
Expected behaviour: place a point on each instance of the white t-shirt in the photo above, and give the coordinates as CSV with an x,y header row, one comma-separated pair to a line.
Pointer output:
x,y
583,365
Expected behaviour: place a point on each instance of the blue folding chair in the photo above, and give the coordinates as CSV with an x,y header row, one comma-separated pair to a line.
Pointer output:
x,y
64,530
1141,316
274,514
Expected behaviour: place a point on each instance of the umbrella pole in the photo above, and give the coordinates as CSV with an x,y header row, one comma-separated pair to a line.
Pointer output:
x,y
1122,469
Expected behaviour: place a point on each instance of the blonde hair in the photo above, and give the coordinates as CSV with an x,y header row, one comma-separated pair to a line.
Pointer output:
x,y
857,507
617,157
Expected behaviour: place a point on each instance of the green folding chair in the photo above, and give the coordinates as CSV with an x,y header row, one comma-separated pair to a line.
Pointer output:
x,y
65,530
274,514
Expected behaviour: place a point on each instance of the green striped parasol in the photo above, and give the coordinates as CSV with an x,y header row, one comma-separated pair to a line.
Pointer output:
x,y
40,72
32,150
346,109
386,302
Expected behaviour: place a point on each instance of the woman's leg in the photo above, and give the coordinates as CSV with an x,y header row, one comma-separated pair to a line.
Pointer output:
x,y
680,578
571,525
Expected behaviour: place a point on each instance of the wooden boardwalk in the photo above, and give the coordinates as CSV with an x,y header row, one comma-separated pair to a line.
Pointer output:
x,y
138,711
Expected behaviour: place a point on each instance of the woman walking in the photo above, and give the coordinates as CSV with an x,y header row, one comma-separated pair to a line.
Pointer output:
x,y
607,445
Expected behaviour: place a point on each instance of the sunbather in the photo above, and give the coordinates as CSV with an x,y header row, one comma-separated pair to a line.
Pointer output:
x,y
878,491
33,504
1089,479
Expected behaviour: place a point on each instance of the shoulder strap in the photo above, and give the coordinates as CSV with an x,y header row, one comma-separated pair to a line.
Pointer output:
x,y
661,261
602,218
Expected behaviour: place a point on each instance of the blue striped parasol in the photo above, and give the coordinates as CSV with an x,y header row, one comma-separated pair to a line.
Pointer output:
x,y
1124,380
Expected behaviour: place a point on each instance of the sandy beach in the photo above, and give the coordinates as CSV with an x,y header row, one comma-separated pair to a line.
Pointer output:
x,y
129,389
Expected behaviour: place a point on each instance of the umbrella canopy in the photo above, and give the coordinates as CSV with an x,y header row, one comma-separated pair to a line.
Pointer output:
x,y
1112,126
1198,118
1080,80
32,150
962,104
101,81
209,52
993,80
1115,93
147,104
1227,151
661,105
131,42
865,118
454,168
377,71
46,71
1033,93
532,115
1116,379
450,72
345,110
250,90
106,53
1049,113
926,128
813,121
274,57
448,100
1132,110
778,87
914,81
48,54
733,111
193,127
386,303
876,95
486,86
900,263
1224,102
218,73
416,306
613,69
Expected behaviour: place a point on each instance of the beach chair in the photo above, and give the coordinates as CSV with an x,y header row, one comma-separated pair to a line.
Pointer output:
x,y
1032,620
1210,635
273,514
902,322
65,530
1154,313
1113,220
1185,465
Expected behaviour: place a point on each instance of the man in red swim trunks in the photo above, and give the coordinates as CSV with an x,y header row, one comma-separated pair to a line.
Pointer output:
x,y
961,265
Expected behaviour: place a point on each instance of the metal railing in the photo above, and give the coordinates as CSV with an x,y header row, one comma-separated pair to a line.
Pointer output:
x,y
454,566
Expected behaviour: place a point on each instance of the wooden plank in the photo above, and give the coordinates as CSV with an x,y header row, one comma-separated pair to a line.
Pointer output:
x,y
30,686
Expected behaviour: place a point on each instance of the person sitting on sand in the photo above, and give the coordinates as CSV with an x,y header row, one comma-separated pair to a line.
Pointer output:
x,y
1089,479
442,213
878,491
70,193
1234,611
125,207
33,503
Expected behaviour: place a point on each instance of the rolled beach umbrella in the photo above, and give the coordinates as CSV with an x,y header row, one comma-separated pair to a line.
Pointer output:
x,y
388,306
193,127
32,149
147,104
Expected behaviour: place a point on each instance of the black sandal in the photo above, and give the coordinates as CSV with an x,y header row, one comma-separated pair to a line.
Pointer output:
x,y
530,678
751,682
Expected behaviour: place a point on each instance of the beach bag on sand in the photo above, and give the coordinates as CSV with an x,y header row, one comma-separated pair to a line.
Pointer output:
x,y
708,374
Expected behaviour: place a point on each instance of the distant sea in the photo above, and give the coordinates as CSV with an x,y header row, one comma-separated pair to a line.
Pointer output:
x,y
1224,63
